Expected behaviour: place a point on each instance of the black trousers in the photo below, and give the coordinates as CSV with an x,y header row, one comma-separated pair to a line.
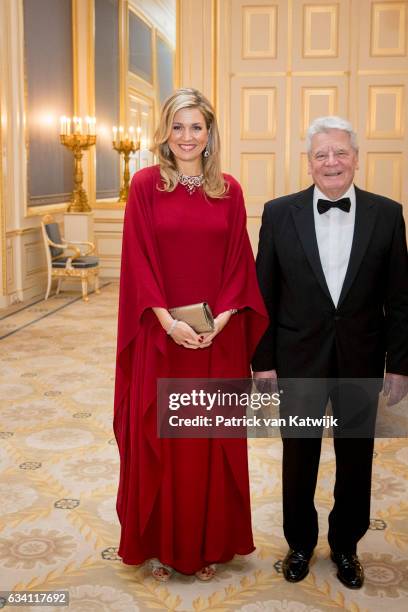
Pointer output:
x,y
354,402
350,516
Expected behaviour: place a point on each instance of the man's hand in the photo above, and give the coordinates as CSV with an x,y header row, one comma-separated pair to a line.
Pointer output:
x,y
395,388
267,375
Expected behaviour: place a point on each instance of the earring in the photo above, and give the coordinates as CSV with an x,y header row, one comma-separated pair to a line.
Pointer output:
x,y
206,151
166,150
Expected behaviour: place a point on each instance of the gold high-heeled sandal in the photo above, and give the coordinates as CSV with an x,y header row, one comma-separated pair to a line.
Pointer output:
x,y
160,571
206,573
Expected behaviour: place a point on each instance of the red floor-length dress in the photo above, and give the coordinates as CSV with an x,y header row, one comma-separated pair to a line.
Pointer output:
x,y
183,501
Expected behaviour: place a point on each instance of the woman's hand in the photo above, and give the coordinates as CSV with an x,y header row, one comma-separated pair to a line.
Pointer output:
x,y
184,335
179,331
220,322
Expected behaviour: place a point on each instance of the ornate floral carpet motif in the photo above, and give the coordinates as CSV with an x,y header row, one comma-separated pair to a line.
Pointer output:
x,y
58,479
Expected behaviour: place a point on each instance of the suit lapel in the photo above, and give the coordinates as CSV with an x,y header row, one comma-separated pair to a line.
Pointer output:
x,y
366,214
302,213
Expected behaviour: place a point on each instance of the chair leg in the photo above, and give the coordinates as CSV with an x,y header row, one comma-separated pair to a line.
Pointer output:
x,y
97,283
47,293
84,283
58,286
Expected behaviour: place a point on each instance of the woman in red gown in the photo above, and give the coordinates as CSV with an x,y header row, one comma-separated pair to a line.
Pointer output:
x,y
183,502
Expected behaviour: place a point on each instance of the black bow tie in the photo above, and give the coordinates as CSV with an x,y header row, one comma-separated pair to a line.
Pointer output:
x,y
325,205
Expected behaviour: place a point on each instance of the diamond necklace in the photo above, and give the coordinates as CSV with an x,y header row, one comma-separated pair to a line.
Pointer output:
x,y
191,183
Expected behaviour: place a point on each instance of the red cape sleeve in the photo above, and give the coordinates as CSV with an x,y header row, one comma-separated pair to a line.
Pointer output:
x,y
240,286
141,285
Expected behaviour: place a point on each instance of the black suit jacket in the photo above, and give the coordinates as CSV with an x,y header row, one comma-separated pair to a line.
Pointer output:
x,y
370,322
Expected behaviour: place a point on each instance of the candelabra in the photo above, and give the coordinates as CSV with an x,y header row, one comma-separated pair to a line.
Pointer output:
x,y
127,145
78,142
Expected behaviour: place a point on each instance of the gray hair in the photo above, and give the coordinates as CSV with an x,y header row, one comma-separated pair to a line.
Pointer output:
x,y
323,124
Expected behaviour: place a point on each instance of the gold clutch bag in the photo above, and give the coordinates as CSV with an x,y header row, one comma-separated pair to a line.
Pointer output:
x,y
197,316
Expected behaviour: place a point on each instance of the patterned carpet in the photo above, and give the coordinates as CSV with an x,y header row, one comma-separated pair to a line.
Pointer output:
x,y
58,479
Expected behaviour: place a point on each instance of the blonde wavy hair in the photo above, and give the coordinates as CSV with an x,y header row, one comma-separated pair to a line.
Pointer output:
x,y
214,184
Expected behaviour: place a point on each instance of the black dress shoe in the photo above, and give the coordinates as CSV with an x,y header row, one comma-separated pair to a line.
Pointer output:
x,y
350,571
295,565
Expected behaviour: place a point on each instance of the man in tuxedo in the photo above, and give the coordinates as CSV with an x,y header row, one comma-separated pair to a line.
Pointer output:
x,y
333,269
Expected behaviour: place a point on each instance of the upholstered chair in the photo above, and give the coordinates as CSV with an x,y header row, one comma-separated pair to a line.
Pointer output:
x,y
68,260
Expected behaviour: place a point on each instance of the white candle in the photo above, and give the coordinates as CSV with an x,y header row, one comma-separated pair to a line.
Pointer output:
x,y
63,128
132,134
115,134
120,133
68,128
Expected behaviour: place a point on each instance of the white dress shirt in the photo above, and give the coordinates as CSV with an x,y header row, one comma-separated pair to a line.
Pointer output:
x,y
334,233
